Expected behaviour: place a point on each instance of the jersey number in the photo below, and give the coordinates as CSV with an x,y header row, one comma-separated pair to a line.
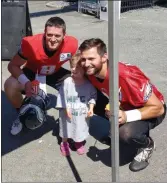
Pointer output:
x,y
47,69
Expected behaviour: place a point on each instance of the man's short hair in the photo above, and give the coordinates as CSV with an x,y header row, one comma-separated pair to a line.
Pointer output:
x,y
56,22
94,42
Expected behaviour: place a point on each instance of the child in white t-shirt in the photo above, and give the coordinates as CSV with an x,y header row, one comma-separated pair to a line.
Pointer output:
x,y
75,101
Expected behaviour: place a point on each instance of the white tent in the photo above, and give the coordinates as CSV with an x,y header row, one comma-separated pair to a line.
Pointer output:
x,y
104,9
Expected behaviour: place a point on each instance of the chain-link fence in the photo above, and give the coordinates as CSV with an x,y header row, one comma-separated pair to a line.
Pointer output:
x,y
135,4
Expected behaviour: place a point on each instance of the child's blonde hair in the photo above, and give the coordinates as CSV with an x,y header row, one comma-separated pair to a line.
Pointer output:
x,y
75,60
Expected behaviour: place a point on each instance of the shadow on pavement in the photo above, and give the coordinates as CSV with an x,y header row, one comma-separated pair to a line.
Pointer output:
x,y
9,142
69,159
103,155
73,168
55,132
53,12
99,128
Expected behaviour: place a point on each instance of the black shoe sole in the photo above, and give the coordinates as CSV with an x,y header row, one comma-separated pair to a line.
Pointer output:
x,y
137,170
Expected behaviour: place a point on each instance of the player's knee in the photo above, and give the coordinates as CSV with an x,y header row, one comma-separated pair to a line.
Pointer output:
x,y
11,85
125,134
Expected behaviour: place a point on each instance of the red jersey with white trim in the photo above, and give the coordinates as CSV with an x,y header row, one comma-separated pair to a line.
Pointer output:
x,y
134,87
37,60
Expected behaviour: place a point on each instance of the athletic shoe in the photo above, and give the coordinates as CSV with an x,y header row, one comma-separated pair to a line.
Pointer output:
x,y
141,160
80,148
16,127
64,147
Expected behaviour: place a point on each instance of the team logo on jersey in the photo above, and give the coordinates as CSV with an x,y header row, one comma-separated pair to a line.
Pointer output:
x,y
65,56
148,92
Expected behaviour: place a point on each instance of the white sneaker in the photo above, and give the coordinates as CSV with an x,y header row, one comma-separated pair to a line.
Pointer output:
x,y
16,127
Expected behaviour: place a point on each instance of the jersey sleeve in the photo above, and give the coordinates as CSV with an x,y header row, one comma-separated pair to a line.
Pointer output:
x,y
135,87
93,95
73,45
23,50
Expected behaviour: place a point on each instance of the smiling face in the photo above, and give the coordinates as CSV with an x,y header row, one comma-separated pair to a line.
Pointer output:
x,y
53,37
91,61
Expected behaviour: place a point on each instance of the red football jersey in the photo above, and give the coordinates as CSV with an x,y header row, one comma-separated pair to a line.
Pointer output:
x,y
32,49
134,87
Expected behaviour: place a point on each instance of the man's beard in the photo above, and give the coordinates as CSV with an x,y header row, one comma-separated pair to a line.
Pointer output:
x,y
96,71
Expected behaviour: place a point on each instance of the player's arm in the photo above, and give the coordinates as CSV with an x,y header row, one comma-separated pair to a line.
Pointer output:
x,y
74,46
15,64
152,109
139,92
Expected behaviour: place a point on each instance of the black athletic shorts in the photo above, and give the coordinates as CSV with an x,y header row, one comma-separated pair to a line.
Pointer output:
x,y
54,80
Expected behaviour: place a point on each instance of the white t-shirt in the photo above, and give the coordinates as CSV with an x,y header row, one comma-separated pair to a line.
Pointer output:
x,y
77,99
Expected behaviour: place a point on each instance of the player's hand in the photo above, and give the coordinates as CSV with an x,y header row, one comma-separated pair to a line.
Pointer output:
x,y
107,113
107,110
122,117
28,89
69,115
90,113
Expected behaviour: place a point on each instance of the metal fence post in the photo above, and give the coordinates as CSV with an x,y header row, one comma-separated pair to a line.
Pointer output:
x,y
113,47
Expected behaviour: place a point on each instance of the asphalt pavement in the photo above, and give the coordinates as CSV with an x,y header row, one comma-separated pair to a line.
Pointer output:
x,y
34,156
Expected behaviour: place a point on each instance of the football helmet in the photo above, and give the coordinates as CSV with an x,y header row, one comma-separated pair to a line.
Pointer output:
x,y
33,110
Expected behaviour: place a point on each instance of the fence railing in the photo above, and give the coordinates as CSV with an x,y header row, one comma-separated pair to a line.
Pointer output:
x,y
94,5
